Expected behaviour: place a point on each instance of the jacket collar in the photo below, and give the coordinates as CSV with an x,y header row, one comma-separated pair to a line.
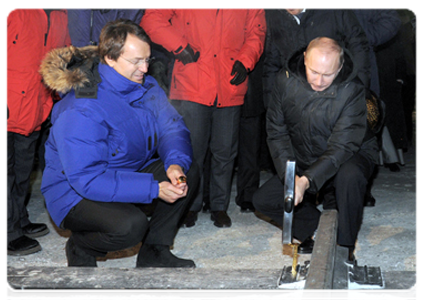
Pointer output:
x,y
115,81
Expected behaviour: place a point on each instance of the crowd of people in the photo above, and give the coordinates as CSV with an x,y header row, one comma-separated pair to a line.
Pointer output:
x,y
139,118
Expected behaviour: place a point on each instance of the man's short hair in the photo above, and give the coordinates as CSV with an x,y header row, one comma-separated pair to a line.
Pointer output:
x,y
113,37
327,45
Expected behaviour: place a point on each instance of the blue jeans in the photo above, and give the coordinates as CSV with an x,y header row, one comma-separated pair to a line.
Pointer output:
x,y
217,129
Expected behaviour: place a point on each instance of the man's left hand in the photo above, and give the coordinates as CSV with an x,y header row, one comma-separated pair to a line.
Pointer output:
x,y
301,185
174,172
240,73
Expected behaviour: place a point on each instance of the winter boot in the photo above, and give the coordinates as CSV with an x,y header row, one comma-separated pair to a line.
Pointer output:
x,y
159,256
78,257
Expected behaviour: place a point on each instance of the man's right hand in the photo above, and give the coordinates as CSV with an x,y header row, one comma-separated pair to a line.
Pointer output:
x,y
171,193
187,55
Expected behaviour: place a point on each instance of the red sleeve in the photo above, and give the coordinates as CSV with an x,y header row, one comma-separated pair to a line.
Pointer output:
x,y
157,24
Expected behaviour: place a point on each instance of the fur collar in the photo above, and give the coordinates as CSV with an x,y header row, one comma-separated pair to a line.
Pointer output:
x,y
64,69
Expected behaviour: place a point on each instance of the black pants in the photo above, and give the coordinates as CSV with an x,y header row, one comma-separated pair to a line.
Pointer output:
x,y
248,177
101,227
345,192
20,161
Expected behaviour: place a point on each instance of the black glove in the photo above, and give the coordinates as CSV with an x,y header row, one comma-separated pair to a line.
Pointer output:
x,y
187,55
240,73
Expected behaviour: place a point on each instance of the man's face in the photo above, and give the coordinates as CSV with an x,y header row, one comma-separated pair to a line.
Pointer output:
x,y
295,11
321,68
132,63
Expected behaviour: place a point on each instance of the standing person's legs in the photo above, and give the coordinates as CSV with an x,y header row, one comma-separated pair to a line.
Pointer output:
x,y
248,175
197,118
20,156
350,187
224,148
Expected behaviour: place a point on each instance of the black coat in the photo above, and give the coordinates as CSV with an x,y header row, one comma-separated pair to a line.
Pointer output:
x,y
319,130
285,37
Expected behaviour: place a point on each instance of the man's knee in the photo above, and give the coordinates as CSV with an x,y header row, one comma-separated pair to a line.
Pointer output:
x,y
130,229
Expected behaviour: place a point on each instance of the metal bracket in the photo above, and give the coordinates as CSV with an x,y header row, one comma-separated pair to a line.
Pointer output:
x,y
288,281
361,277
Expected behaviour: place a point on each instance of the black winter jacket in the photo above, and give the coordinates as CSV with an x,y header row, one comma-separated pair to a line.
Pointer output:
x,y
319,130
285,37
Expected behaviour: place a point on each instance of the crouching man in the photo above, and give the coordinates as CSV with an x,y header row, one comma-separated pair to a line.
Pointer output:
x,y
116,144
317,117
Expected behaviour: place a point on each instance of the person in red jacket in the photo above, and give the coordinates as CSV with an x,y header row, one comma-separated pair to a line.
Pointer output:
x,y
214,50
31,33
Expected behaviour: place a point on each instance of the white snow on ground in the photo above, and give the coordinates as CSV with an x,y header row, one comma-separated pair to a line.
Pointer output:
x,y
290,296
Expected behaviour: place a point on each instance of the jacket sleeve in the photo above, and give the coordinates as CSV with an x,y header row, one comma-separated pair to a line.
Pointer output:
x,y
357,43
278,138
255,34
83,154
380,25
174,141
345,140
271,67
157,24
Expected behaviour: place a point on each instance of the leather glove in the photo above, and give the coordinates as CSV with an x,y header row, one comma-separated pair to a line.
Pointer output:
x,y
240,73
187,55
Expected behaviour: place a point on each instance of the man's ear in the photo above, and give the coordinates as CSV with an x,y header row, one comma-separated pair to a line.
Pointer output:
x,y
109,61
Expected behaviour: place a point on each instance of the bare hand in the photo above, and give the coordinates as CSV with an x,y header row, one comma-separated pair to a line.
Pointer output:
x,y
170,193
301,185
176,188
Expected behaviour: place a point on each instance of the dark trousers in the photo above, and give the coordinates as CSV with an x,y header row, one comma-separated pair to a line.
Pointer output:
x,y
216,129
101,227
20,161
345,192
248,175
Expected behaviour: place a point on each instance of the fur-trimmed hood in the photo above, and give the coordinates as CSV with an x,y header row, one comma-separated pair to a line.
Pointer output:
x,y
64,69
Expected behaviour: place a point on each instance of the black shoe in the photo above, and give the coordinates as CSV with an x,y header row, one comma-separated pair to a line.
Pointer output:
x,y
77,257
393,167
190,219
206,208
34,230
23,246
351,257
247,207
306,247
369,200
159,256
221,219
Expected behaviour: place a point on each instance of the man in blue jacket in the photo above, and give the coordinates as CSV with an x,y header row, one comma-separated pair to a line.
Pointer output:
x,y
116,144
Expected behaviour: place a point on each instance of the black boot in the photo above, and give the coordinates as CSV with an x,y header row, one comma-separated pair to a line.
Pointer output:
x,y
23,246
78,257
159,256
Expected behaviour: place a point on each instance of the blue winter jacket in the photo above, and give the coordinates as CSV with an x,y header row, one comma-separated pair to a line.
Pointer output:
x,y
96,146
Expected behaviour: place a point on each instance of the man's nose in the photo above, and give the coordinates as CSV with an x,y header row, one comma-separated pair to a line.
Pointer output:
x,y
143,67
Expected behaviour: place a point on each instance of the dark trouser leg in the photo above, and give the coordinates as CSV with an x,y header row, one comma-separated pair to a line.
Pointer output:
x,y
350,187
20,161
101,227
224,148
164,222
269,201
248,178
197,118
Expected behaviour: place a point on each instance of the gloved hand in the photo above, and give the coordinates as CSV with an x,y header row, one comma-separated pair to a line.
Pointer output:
x,y
187,55
240,73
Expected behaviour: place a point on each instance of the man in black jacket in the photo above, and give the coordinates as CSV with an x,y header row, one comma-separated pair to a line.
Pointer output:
x,y
289,30
317,117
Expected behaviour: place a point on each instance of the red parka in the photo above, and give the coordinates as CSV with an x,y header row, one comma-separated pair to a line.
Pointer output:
x,y
222,36
30,35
